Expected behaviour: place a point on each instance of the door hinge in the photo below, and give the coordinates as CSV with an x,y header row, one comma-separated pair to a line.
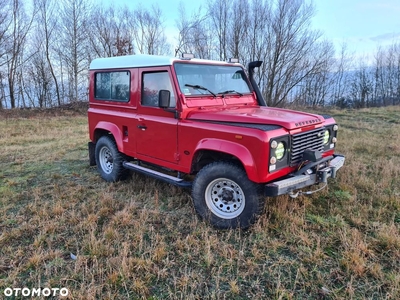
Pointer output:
x,y
177,156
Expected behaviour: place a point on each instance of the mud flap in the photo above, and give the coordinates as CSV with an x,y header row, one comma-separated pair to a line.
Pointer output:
x,y
92,158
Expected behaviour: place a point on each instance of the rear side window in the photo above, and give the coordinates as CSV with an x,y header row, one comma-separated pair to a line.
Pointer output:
x,y
112,86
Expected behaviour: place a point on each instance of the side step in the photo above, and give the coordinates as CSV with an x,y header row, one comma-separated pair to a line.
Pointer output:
x,y
158,175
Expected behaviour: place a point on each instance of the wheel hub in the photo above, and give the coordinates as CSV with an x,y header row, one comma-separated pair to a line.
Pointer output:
x,y
226,195
225,198
106,160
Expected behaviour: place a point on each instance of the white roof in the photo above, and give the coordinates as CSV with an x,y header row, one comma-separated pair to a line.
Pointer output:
x,y
142,60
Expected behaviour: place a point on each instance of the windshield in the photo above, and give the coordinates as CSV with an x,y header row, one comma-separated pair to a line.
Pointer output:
x,y
198,79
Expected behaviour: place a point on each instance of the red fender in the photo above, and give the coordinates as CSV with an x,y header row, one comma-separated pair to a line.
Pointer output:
x,y
114,130
237,150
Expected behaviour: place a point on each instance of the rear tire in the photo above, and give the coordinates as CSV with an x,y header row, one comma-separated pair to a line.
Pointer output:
x,y
225,197
109,160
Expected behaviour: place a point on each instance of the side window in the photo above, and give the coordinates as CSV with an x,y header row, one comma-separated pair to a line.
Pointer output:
x,y
152,84
112,86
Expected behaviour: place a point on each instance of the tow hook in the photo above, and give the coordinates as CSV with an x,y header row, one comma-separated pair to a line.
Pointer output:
x,y
298,193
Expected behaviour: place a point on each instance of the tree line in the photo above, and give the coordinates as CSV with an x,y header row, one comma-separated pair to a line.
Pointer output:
x,y
46,47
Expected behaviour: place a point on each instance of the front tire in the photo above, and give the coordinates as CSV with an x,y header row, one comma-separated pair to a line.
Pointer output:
x,y
225,197
109,160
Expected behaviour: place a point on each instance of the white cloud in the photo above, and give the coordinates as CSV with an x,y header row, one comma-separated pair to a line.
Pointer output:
x,y
391,36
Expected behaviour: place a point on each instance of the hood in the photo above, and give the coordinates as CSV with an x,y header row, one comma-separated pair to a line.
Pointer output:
x,y
288,119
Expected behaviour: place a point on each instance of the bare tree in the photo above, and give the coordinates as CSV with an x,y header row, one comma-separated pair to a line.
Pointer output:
x,y
38,82
291,53
111,31
74,15
102,27
387,75
5,23
194,35
125,32
19,29
257,44
382,80
256,41
361,85
219,12
202,40
238,29
393,74
149,37
184,26
45,53
315,88
46,24
340,78
395,50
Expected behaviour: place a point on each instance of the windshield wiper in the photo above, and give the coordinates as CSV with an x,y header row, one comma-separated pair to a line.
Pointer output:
x,y
199,87
230,92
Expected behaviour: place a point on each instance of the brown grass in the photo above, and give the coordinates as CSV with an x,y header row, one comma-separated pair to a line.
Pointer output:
x,y
141,239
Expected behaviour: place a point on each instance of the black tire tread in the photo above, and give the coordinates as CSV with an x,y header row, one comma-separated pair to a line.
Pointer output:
x,y
233,171
119,172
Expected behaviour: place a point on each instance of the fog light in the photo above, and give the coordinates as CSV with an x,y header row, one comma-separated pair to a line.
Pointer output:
x,y
272,160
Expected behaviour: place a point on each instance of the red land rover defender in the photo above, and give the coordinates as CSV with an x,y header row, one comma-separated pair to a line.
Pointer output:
x,y
204,125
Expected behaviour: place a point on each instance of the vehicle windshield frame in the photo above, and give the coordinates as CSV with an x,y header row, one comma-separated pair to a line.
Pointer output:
x,y
211,79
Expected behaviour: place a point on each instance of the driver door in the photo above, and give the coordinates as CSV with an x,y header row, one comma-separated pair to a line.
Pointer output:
x,y
156,127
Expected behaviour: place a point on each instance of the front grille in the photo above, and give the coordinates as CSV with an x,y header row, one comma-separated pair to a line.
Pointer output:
x,y
313,140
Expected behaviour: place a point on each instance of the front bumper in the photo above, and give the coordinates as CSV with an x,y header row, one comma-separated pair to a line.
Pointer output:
x,y
317,173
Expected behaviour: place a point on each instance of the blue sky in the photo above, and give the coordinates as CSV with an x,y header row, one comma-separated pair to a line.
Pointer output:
x,y
362,24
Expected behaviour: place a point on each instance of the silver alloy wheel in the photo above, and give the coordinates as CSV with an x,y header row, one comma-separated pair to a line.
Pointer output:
x,y
225,198
106,160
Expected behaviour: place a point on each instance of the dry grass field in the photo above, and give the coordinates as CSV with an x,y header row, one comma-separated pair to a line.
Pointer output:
x,y
140,239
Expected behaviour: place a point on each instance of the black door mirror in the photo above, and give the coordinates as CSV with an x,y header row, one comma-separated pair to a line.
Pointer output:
x,y
164,98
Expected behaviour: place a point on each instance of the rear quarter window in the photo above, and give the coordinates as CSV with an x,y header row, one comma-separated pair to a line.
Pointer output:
x,y
112,86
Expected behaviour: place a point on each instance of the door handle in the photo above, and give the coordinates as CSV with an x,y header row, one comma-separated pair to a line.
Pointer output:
x,y
143,127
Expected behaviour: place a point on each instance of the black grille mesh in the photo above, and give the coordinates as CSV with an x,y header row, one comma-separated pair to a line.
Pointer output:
x,y
313,140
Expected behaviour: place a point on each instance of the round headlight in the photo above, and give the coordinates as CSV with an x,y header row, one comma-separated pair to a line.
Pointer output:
x,y
326,137
280,151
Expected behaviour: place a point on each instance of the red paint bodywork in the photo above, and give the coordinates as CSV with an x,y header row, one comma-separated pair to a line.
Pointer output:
x,y
173,139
